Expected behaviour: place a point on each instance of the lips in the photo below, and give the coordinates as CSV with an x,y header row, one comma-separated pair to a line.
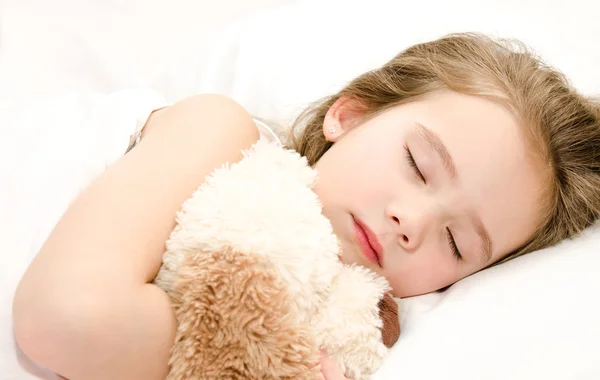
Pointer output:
x,y
368,242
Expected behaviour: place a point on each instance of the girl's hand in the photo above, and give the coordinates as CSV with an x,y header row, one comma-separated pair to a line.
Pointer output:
x,y
330,370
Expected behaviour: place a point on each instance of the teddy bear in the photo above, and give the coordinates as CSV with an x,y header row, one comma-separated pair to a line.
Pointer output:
x,y
253,272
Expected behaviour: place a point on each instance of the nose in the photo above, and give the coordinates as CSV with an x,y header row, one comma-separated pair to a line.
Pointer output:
x,y
410,224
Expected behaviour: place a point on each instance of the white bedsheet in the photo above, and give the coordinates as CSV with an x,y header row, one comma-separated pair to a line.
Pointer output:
x,y
51,147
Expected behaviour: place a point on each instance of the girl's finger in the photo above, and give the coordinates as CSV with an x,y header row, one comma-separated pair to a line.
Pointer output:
x,y
330,369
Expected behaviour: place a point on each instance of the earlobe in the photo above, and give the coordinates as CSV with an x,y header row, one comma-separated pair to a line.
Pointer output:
x,y
341,117
332,133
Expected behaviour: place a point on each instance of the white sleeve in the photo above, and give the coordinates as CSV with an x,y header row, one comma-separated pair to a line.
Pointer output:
x,y
266,133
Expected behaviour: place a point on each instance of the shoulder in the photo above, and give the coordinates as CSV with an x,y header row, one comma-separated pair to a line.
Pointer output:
x,y
205,116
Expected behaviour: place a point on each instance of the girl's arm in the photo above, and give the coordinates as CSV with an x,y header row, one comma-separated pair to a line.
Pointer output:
x,y
85,308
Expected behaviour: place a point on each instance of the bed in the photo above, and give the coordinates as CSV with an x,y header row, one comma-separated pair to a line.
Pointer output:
x,y
535,317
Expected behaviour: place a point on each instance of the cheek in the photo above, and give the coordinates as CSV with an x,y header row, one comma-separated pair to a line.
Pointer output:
x,y
368,180
422,272
365,162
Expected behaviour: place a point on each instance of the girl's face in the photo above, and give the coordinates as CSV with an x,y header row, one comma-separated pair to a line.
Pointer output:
x,y
430,191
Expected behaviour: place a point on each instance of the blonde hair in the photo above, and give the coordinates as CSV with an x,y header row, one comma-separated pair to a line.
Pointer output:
x,y
562,126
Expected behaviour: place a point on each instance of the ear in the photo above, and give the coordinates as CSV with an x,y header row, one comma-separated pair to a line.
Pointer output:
x,y
341,117
388,312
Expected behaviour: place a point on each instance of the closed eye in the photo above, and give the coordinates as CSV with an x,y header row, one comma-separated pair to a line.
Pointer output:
x,y
413,164
453,247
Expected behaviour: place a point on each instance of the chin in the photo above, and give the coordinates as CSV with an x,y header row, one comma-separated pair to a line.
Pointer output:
x,y
349,255
346,257
354,256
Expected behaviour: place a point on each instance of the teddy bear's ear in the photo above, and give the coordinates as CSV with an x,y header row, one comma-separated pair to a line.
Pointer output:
x,y
388,312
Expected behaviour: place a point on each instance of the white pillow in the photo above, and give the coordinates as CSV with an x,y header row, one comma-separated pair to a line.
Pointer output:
x,y
276,61
532,318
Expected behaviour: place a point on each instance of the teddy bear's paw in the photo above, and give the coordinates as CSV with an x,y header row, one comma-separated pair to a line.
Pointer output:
x,y
351,323
235,320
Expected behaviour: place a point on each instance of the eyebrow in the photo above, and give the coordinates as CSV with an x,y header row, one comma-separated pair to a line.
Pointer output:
x,y
436,144
484,236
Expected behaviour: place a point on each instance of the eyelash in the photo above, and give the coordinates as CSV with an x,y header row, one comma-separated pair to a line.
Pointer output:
x,y
453,246
413,164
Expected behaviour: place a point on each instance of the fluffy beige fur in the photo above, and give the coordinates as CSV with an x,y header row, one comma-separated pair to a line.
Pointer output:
x,y
254,275
234,321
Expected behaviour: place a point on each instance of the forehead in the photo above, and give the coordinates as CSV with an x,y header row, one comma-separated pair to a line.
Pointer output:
x,y
495,174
